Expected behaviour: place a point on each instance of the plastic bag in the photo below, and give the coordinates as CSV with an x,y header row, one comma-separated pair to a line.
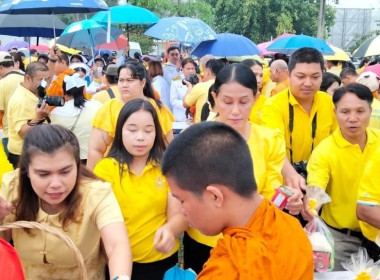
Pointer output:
x,y
363,266
10,265
177,273
320,236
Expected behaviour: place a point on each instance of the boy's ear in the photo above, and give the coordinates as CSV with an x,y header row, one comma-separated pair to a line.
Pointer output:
x,y
215,194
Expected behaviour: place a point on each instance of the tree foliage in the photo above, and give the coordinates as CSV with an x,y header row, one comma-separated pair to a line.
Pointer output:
x,y
259,20
262,19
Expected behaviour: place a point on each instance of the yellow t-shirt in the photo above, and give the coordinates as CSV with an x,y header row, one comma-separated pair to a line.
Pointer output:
x,y
8,85
32,59
106,117
374,121
103,96
275,114
268,85
369,192
143,201
98,207
337,166
255,116
198,96
21,108
267,149
5,165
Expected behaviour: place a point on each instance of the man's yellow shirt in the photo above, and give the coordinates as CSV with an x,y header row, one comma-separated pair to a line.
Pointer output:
x,y
337,166
275,114
369,192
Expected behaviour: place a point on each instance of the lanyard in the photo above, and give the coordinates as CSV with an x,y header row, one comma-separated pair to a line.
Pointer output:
x,y
291,126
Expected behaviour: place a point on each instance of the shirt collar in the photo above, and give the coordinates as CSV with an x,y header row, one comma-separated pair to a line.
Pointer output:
x,y
316,101
343,142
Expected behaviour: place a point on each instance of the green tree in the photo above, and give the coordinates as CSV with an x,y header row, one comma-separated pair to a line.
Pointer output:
x,y
262,19
285,24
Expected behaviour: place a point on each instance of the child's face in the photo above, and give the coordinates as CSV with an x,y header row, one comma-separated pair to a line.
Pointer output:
x,y
201,212
139,133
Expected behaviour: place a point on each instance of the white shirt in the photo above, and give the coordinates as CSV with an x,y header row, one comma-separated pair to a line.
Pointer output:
x,y
68,114
159,84
177,92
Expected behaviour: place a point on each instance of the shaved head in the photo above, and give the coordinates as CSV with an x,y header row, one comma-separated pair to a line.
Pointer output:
x,y
279,70
280,65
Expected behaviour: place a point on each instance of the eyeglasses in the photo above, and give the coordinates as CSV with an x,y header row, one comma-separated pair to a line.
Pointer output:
x,y
128,81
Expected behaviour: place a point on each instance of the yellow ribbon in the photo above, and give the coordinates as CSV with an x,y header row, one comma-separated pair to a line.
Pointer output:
x,y
363,276
312,204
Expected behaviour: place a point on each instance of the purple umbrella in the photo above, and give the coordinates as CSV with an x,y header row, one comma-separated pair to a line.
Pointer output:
x,y
16,44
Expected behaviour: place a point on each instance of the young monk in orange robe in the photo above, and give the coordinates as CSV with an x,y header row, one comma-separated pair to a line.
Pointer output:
x,y
209,169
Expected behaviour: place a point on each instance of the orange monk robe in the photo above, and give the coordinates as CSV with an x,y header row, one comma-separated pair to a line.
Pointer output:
x,y
280,87
56,87
272,246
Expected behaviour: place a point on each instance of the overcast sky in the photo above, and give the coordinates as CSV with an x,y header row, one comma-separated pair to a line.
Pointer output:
x,y
358,4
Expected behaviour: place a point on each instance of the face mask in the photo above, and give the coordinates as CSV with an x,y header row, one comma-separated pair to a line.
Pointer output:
x,y
41,88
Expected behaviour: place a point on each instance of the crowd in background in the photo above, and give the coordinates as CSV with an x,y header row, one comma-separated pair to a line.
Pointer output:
x,y
71,124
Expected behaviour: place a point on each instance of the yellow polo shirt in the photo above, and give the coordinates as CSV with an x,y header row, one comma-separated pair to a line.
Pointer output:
x,y
198,96
5,165
103,96
275,114
267,149
337,166
143,201
98,209
21,108
8,85
369,192
107,115
374,121
255,116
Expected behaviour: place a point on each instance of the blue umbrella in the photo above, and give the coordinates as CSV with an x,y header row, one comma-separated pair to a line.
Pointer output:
x,y
87,33
22,7
50,7
290,44
227,44
30,25
183,29
127,14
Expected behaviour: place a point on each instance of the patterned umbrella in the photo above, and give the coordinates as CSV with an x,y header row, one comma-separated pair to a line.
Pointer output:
x,y
369,48
184,29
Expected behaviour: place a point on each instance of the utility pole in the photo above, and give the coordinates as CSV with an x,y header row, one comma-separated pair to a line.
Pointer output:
x,y
321,18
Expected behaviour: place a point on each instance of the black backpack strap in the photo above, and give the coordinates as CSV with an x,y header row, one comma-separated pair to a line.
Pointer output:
x,y
110,93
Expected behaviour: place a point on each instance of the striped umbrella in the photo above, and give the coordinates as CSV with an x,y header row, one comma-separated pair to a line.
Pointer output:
x,y
369,48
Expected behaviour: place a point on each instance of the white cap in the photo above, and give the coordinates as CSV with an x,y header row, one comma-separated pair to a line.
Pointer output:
x,y
73,81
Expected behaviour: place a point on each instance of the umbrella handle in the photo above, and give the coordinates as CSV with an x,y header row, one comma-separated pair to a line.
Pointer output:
x,y
55,36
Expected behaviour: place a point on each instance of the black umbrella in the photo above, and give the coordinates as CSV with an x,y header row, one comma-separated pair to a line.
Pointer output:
x,y
30,25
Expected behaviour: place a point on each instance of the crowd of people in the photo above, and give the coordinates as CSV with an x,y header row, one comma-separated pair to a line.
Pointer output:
x,y
88,148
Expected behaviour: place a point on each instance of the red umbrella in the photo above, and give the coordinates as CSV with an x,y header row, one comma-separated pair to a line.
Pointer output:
x,y
373,68
119,44
40,48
